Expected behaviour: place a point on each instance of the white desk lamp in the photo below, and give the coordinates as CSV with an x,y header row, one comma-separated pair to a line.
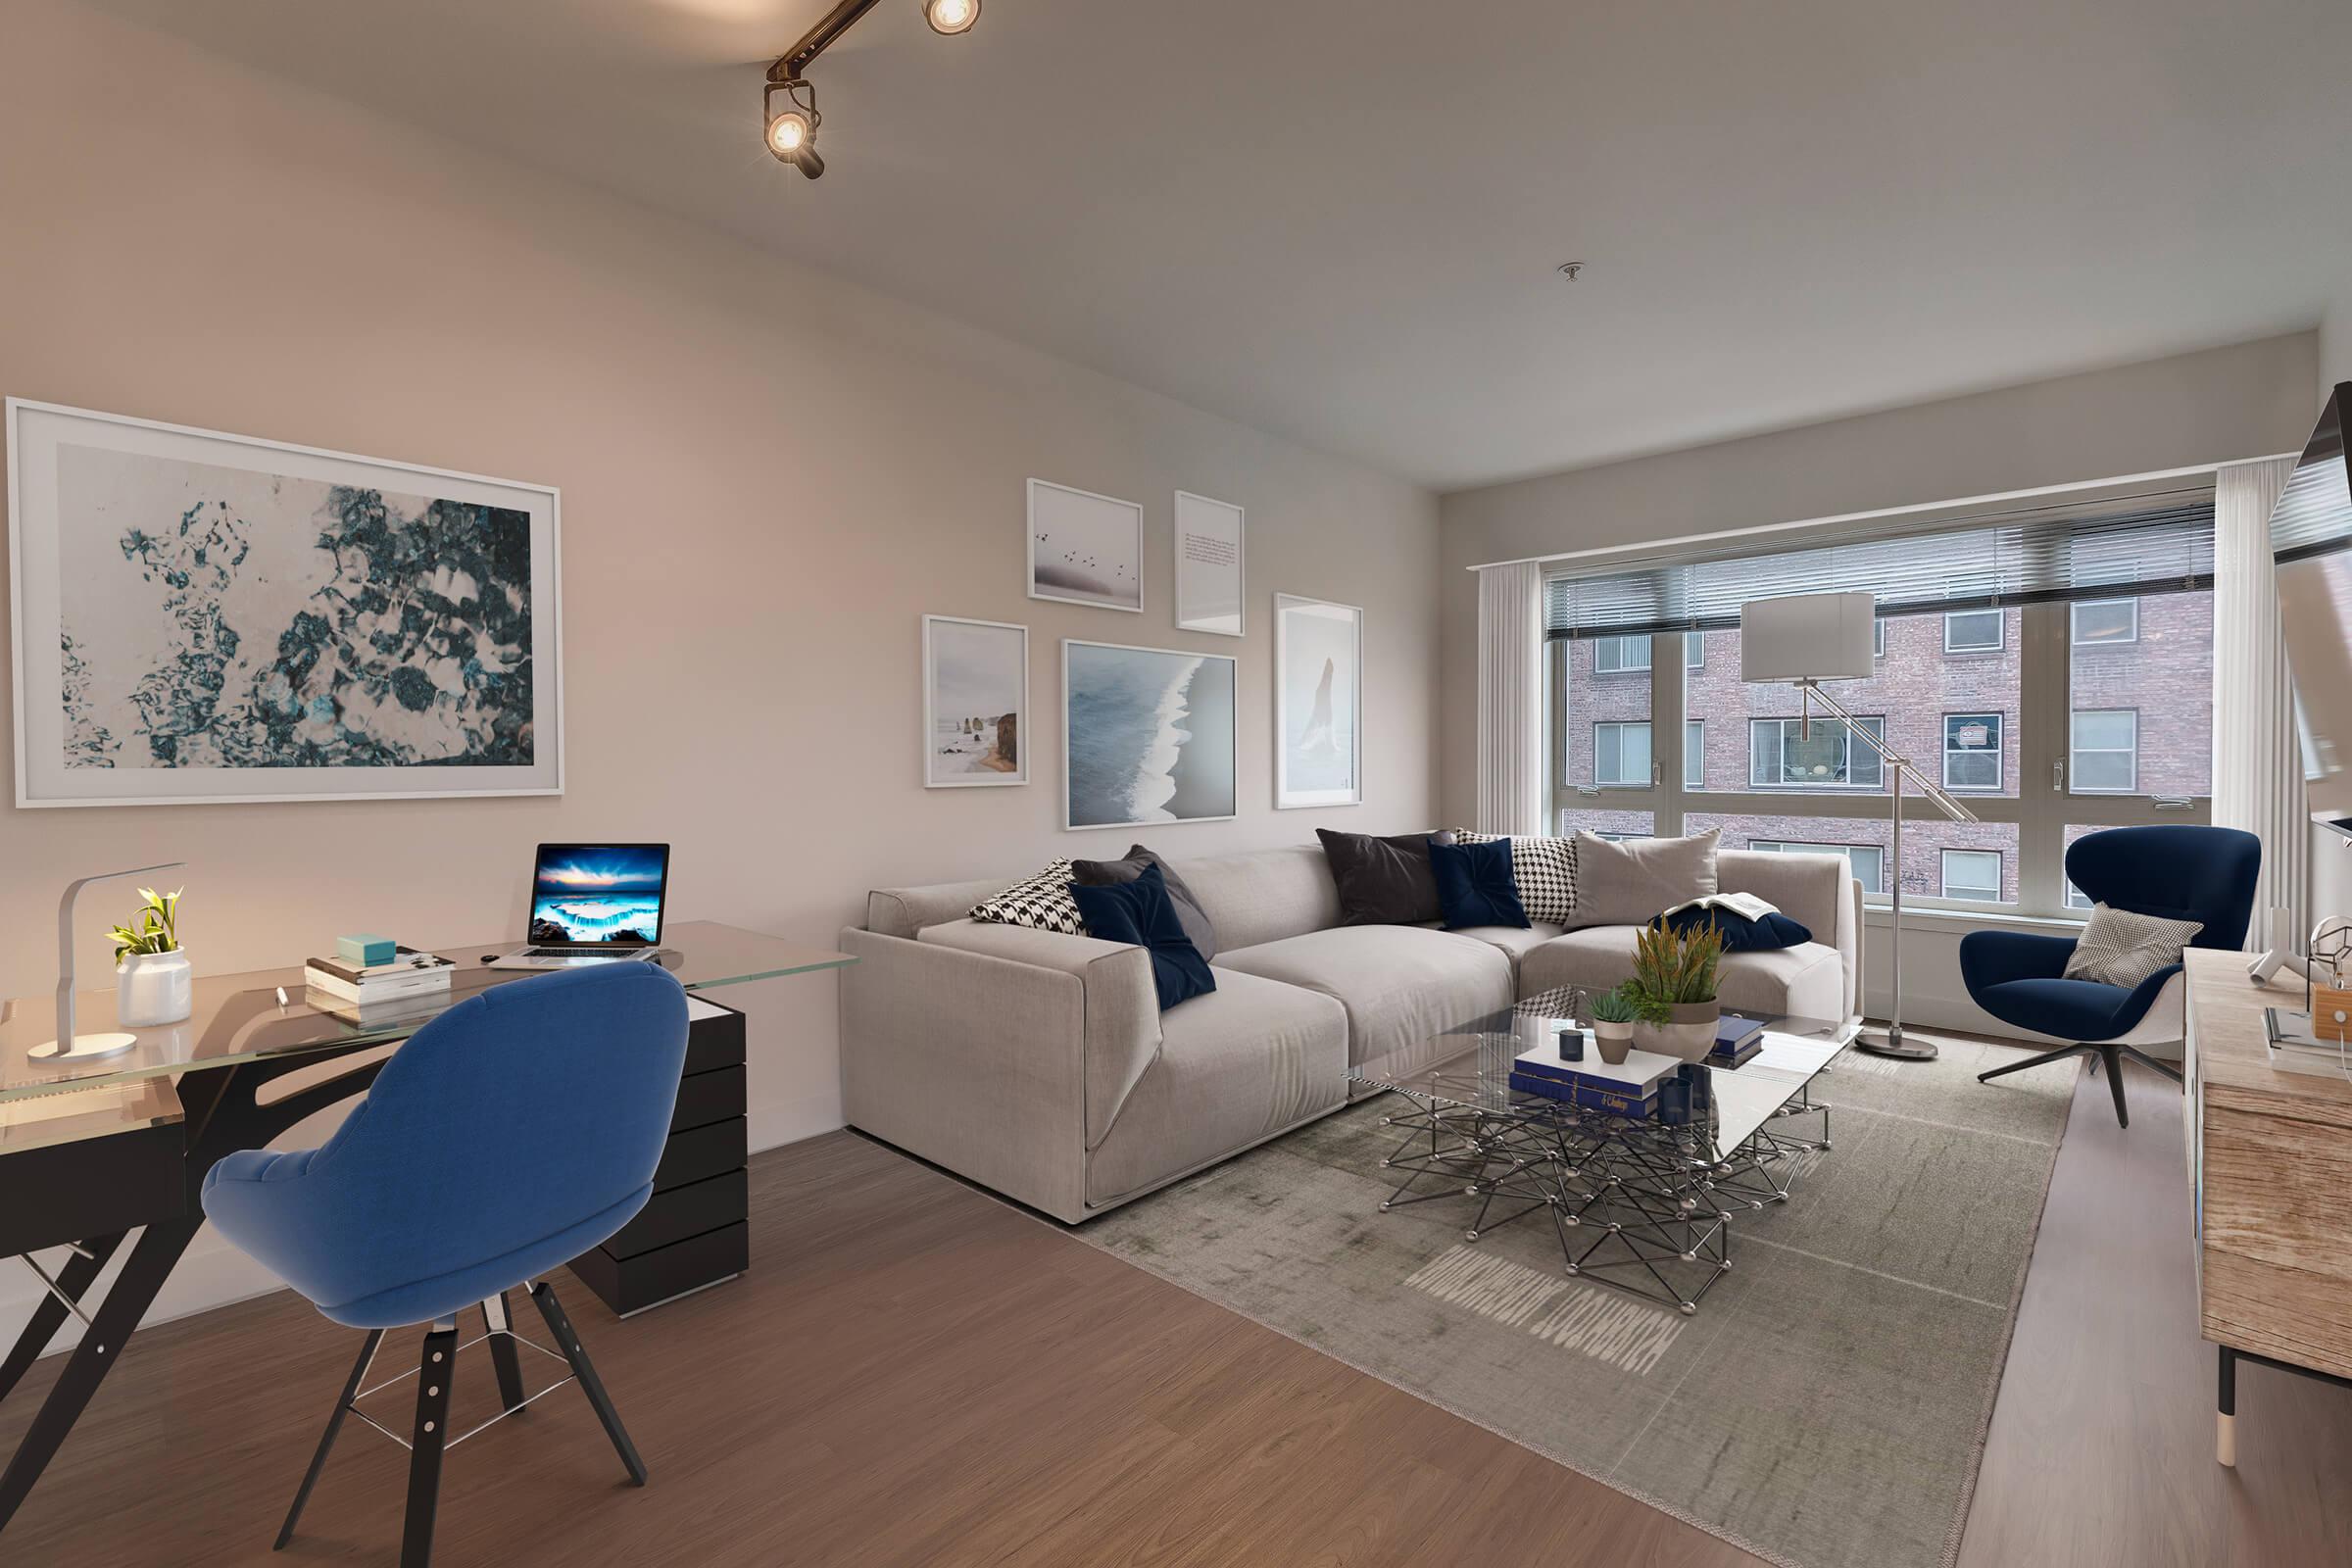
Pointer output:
x,y
1803,640
68,1046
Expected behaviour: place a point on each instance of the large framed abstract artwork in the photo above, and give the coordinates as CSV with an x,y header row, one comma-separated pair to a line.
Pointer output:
x,y
1319,703
208,617
1148,735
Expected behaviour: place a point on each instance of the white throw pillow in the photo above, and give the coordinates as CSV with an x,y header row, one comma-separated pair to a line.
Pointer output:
x,y
1041,902
1633,882
2122,949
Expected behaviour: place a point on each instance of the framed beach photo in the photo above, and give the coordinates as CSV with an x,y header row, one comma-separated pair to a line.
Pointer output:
x,y
1208,566
1148,736
203,617
975,703
1085,549
1319,703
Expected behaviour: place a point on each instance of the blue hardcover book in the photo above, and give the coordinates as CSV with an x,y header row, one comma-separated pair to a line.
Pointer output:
x,y
1736,1039
1637,1075
1615,1101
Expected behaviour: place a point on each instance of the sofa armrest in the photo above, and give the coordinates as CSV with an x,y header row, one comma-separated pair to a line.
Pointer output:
x,y
1817,891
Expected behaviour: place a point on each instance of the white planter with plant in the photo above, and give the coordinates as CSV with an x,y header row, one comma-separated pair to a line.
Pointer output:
x,y
1674,992
153,982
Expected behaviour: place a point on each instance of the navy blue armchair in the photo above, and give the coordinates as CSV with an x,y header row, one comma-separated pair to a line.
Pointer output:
x,y
2206,874
510,1135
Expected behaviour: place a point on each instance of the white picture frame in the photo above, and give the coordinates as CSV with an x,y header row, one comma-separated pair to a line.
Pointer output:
x,y
1085,549
164,708
994,668
1212,569
1318,666
1144,753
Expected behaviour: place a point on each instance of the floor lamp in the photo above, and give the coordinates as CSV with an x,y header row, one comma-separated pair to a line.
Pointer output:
x,y
1803,640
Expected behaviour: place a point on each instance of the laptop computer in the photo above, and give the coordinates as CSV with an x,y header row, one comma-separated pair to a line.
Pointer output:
x,y
593,904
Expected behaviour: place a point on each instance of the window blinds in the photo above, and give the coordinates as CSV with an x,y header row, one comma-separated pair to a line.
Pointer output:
x,y
2159,544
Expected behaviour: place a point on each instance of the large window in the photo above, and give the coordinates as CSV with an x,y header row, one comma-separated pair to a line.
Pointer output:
x,y
2106,752
1620,754
1782,756
1972,751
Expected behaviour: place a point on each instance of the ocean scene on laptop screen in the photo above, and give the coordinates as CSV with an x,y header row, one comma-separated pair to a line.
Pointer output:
x,y
587,894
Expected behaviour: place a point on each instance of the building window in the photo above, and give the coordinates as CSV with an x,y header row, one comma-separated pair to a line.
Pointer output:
x,y
1972,632
1781,755
2106,752
2076,898
1973,874
2103,622
1621,754
1868,860
1878,638
1695,754
1972,751
1695,650
1620,656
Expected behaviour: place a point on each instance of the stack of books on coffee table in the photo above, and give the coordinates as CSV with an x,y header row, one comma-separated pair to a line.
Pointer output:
x,y
1629,1088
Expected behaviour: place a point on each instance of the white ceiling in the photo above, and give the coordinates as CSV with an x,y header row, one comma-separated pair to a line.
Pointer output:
x,y
1339,220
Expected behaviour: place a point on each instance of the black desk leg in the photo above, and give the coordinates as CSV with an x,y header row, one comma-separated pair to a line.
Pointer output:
x,y
134,1291
49,1314
502,1359
2225,1437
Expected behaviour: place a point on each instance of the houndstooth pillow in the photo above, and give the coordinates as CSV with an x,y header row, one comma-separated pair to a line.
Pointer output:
x,y
1545,871
1041,903
2122,949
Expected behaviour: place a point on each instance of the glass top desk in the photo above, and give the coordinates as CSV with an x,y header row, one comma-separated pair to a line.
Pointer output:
x,y
91,1151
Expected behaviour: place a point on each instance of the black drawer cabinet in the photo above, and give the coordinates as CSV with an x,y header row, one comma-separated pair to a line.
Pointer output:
x,y
695,1231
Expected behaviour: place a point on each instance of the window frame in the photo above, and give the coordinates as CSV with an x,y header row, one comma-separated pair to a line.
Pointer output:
x,y
1944,873
2000,636
2074,623
1999,753
1877,786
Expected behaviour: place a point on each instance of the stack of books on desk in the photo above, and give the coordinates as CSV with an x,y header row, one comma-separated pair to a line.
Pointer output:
x,y
410,975
1628,1088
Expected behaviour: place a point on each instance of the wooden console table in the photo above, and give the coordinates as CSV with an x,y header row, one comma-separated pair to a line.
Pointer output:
x,y
2270,1172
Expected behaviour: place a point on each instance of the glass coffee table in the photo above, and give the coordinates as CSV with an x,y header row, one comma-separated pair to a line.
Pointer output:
x,y
1642,1203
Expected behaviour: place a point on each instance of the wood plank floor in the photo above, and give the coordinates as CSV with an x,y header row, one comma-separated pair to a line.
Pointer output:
x,y
916,1374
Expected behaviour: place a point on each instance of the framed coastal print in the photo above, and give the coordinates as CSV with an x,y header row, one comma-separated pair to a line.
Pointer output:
x,y
1148,735
975,703
1085,549
1319,703
209,618
1208,566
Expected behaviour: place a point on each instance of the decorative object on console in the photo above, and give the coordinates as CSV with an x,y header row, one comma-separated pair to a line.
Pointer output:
x,y
1545,872
1148,736
1319,703
1041,902
975,703
1189,913
1803,640
366,951
1673,990
153,982
210,617
1085,549
2118,948
1383,881
1139,914
1630,883
1475,887
1208,566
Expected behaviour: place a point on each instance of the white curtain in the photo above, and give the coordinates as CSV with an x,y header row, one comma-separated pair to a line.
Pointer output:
x,y
2257,760
1511,698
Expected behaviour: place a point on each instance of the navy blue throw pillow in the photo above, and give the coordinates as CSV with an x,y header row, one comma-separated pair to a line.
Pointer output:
x,y
1475,885
1740,934
1141,913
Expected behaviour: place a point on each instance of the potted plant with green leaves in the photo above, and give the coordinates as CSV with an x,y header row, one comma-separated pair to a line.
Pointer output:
x,y
1674,991
1614,1015
153,982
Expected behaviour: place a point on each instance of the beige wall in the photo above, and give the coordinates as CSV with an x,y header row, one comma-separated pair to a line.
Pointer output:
x,y
767,476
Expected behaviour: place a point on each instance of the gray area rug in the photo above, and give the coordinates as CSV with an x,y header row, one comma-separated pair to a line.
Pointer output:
x,y
1826,1406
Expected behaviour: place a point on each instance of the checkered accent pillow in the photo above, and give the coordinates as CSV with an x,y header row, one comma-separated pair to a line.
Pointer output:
x,y
1041,903
1545,871
2122,949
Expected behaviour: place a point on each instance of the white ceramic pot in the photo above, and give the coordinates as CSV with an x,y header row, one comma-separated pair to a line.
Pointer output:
x,y
1688,1034
154,988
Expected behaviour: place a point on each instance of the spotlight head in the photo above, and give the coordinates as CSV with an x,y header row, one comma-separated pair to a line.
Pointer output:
x,y
788,133
791,135
951,16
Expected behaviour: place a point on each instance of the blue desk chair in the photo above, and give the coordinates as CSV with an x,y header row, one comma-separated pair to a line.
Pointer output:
x,y
2182,873
507,1136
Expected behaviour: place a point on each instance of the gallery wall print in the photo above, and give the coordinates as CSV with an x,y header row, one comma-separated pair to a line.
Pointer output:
x,y
1085,549
1148,735
1208,564
203,617
975,703
1319,703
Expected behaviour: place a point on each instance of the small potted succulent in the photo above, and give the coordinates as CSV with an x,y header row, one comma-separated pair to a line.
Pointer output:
x,y
1614,1015
153,982
1674,991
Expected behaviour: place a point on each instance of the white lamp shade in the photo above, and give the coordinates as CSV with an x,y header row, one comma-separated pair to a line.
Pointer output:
x,y
1808,637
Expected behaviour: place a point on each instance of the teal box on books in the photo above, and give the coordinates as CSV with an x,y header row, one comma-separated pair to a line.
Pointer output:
x,y
366,952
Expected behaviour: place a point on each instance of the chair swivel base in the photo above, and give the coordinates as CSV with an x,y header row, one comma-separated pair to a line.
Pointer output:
x,y
2111,1056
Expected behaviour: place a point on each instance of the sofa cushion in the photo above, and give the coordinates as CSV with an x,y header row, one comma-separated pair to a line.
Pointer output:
x,y
1400,984
1383,881
1263,896
1039,902
1475,886
1514,942
1140,911
1244,1062
1633,882
1807,981
1544,870
1197,927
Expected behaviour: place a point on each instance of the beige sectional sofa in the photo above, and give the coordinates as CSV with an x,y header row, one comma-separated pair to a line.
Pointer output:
x,y
1039,1065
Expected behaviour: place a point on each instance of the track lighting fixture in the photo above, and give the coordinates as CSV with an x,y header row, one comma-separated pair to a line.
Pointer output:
x,y
791,132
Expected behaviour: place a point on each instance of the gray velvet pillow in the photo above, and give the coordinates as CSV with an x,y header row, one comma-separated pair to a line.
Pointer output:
x,y
1635,882
1189,913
